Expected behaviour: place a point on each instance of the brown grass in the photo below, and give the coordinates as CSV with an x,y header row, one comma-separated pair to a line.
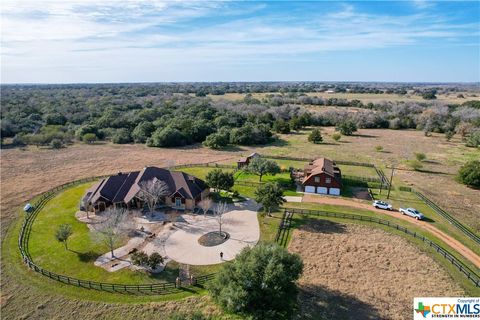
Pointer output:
x,y
364,97
26,173
437,179
357,272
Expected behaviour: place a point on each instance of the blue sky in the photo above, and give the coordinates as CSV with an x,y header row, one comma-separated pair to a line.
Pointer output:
x,y
149,41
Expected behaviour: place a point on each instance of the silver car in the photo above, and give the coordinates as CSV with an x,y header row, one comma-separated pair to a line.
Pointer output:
x,y
382,205
412,213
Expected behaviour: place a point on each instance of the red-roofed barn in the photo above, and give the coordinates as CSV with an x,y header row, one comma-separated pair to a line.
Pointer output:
x,y
322,176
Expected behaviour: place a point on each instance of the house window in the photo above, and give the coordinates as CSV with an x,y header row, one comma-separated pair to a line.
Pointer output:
x,y
328,180
317,179
178,202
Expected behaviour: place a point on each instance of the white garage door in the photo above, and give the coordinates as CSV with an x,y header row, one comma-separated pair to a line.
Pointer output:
x,y
335,191
310,189
322,190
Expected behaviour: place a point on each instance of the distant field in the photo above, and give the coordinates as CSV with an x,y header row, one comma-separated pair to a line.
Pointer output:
x,y
364,97
437,180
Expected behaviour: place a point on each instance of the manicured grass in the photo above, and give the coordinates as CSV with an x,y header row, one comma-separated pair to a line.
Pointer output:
x,y
201,172
83,250
283,177
38,283
285,164
358,171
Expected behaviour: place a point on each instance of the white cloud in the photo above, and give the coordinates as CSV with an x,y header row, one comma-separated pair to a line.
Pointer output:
x,y
78,37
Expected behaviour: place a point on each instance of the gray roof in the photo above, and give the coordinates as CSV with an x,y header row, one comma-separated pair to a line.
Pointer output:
x,y
123,187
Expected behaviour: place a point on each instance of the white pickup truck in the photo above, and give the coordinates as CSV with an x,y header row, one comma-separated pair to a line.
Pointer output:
x,y
412,213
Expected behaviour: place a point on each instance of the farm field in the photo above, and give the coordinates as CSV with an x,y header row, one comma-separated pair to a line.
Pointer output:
x,y
436,180
29,172
352,269
364,97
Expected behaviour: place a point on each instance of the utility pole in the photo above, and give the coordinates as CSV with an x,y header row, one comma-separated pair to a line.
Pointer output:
x,y
390,184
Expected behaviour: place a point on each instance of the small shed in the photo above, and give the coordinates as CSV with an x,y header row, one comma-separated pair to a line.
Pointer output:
x,y
245,161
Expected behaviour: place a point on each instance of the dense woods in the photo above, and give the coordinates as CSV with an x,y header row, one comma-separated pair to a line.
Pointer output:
x,y
169,115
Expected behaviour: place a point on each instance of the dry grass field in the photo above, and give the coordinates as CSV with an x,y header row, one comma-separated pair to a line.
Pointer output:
x,y
29,172
436,180
26,173
358,272
365,98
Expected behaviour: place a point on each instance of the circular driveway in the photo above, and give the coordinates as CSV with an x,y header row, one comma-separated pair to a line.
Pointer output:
x,y
240,222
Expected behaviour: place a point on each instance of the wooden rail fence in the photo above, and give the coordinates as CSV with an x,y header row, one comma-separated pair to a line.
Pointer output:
x,y
148,288
465,270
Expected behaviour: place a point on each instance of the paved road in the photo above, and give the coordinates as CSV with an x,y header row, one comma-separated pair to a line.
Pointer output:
x,y
452,242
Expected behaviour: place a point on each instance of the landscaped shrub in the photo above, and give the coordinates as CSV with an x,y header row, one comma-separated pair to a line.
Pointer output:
x,y
139,258
154,260
469,174
259,283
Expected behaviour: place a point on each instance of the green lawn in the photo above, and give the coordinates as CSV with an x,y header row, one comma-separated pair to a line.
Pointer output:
x,y
83,250
201,171
358,171
283,177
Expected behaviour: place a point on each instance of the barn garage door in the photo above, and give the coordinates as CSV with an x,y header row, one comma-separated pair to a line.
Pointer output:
x,y
322,190
310,189
334,191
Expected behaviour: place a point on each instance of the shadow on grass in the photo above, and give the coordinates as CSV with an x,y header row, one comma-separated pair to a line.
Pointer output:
x,y
318,302
278,142
232,148
88,256
427,219
364,135
321,226
431,171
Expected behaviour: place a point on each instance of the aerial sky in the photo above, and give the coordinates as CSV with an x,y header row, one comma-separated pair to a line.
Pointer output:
x,y
75,41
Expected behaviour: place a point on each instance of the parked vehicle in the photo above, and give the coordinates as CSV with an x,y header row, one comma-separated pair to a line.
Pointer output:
x,y
412,213
382,205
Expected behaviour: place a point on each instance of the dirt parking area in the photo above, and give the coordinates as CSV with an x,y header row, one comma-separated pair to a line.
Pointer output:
x,y
357,272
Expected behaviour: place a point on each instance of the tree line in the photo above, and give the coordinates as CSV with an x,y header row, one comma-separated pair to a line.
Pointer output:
x,y
154,115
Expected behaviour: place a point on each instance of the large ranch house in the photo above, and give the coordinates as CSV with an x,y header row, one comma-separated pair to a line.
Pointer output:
x,y
322,176
184,191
